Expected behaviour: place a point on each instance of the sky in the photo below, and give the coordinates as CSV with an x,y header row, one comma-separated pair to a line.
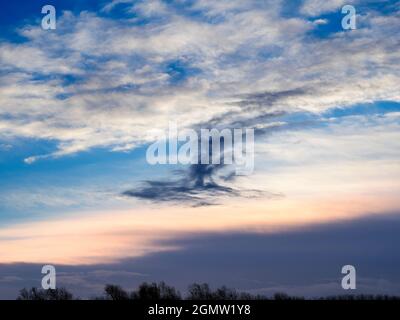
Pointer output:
x,y
79,106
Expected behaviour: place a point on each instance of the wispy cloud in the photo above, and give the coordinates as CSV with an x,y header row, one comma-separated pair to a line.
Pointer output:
x,y
103,82
197,187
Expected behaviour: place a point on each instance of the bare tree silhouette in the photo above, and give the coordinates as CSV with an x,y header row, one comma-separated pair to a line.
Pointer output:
x,y
156,291
113,292
161,291
41,294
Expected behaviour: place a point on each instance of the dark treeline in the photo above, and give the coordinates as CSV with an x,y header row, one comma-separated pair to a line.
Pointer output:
x,y
161,291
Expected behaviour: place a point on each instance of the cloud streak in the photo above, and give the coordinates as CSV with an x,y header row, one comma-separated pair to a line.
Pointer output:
x,y
103,82
197,187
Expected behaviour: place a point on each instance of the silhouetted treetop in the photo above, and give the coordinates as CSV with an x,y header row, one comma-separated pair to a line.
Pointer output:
x,y
161,291
41,294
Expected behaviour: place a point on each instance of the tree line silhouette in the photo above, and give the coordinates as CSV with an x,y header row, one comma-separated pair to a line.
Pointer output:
x,y
161,291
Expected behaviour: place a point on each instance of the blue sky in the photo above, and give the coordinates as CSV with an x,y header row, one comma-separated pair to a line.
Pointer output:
x,y
79,105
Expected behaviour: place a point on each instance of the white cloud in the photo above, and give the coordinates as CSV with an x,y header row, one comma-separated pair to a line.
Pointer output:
x,y
318,7
124,88
320,21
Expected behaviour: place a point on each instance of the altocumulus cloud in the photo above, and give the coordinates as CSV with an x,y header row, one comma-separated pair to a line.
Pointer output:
x,y
103,82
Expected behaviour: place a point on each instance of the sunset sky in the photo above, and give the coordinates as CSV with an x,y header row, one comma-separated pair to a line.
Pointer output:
x,y
79,106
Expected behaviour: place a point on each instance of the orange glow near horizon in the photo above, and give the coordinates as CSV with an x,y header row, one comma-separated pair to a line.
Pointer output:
x,y
108,237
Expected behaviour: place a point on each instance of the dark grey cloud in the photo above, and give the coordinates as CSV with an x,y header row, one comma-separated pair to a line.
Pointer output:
x,y
269,98
263,111
196,186
260,102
